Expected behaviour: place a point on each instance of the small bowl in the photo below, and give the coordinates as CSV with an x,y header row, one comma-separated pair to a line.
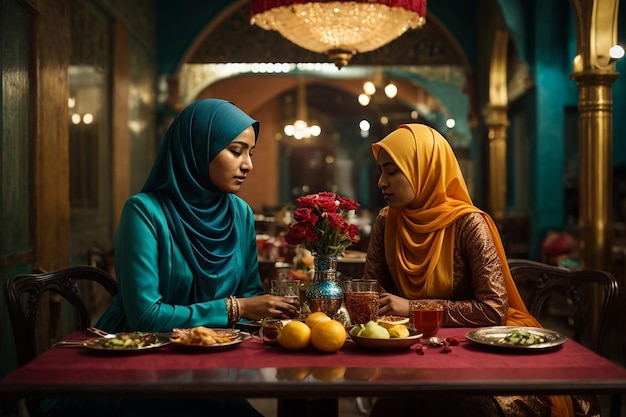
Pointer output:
x,y
388,345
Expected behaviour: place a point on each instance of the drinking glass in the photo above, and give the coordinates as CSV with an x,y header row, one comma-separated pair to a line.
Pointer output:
x,y
361,300
427,316
289,288
268,332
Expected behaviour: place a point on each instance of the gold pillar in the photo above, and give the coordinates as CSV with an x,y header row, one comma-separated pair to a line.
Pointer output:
x,y
594,73
595,168
497,123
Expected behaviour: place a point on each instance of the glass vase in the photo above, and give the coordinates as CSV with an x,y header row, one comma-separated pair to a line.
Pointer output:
x,y
325,294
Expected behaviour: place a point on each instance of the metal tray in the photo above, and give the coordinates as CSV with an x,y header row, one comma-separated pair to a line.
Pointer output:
x,y
494,336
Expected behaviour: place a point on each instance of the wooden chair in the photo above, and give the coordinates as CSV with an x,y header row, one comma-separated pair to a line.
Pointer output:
x,y
583,301
24,292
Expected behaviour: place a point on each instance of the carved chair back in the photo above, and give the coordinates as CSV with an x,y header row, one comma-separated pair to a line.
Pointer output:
x,y
24,292
582,301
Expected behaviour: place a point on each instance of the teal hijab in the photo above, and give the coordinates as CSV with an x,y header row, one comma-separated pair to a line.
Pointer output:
x,y
202,219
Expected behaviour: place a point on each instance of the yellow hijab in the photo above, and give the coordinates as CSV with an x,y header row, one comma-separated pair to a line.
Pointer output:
x,y
419,240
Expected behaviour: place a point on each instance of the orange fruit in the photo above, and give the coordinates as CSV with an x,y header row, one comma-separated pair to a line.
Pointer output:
x,y
388,321
328,336
294,335
315,318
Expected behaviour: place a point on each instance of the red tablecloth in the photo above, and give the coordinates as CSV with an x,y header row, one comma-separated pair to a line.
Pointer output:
x,y
466,361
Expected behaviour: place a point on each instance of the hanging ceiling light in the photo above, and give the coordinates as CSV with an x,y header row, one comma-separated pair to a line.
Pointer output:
x,y
339,29
370,88
300,129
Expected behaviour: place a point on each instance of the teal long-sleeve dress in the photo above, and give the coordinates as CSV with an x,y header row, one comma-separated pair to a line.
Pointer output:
x,y
158,290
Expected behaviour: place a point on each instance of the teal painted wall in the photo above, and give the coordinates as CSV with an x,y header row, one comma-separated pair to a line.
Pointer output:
x,y
459,17
544,35
178,24
554,90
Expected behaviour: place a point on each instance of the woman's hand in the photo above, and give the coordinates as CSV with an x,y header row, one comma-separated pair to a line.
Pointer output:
x,y
393,305
267,305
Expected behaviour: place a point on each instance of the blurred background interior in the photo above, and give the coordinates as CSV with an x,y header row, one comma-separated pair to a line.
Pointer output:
x,y
524,90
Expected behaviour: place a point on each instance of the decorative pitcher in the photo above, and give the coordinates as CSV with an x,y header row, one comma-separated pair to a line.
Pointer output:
x,y
325,294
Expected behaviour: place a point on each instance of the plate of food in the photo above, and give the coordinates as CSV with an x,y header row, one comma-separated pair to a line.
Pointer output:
x,y
206,339
128,342
371,337
516,337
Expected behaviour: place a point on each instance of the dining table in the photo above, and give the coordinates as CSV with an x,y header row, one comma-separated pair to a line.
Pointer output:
x,y
254,369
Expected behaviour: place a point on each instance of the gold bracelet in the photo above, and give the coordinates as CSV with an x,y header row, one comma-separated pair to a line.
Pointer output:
x,y
236,308
229,309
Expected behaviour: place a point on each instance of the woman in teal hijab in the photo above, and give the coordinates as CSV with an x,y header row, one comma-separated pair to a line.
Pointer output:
x,y
185,250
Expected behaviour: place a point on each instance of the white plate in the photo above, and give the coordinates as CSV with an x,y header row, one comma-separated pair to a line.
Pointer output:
x,y
150,341
387,344
493,336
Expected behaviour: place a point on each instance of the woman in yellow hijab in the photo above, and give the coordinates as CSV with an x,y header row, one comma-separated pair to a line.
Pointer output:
x,y
431,242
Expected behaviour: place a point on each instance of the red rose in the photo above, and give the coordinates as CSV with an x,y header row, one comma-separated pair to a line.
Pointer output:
x,y
305,215
347,204
307,200
311,235
335,220
296,234
352,233
327,203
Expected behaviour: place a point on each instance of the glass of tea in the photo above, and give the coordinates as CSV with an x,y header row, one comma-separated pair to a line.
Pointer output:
x,y
427,316
361,300
289,288
268,332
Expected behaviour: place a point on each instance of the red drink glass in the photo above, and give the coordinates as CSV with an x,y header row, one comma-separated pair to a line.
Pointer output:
x,y
361,300
427,316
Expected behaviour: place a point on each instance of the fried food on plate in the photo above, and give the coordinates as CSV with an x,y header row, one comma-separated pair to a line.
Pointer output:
x,y
203,336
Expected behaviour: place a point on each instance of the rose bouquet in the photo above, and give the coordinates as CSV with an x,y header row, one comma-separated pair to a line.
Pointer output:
x,y
320,225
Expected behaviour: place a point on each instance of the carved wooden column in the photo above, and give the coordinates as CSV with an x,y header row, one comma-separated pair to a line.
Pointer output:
x,y
51,37
594,73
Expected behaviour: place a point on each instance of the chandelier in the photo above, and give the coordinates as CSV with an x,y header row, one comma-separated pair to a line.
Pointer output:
x,y
300,129
371,87
340,28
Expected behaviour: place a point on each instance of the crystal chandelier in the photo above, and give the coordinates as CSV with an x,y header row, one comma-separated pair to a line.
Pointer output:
x,y
340,28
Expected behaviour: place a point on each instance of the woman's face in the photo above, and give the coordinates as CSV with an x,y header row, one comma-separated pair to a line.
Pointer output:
x,y
228,170
395,186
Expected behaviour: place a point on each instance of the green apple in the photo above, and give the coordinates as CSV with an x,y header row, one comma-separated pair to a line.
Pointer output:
x,y
375,331
356,330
